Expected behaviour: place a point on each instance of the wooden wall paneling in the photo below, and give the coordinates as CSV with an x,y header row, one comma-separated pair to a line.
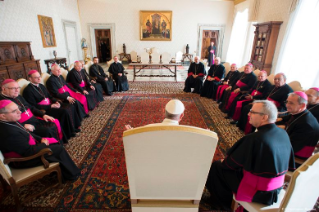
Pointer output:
x,y
16,71
23,52
7,54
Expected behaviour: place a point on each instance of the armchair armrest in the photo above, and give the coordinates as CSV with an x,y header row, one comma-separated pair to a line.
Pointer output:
x,y
41,153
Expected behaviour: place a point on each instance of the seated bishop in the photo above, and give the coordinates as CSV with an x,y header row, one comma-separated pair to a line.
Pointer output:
x,y
38,96
229,81
301,126
97,72
97,86
278,94
195,77
58,88
253,170
117,71
80,82
33,119
245,83
215,74
17,141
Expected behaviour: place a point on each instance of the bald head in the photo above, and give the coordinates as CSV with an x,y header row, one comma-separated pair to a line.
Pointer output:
x,y
78,66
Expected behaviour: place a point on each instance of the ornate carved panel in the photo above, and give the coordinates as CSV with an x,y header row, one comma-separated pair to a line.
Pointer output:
x,y
23,52
7,54
16,72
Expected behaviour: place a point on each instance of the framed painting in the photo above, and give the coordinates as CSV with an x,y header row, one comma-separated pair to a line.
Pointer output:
x,y
47,31
156,25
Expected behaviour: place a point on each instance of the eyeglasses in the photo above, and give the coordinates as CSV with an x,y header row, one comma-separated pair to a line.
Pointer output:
x,y
14,88
253,112
37,77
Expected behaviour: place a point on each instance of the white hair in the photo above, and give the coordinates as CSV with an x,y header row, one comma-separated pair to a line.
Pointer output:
x,y
268,108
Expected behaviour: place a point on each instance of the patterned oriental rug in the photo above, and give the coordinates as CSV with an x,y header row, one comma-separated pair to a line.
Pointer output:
x,y
99,152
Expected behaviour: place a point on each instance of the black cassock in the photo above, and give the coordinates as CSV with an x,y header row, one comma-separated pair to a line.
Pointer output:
x,y
276,94
97,86
248,79
75,79
97,72
303,131
121,81
42,128
15,139
55,83
250,161
66,114
217,72
258,92
196,83
314,109
231,78
211,55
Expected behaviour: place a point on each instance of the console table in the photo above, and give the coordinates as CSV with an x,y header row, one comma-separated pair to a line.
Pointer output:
x,y
141,66
61,61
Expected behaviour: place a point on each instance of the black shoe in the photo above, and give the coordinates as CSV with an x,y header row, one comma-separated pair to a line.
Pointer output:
x,y
77,130
227,117
87,116
233,122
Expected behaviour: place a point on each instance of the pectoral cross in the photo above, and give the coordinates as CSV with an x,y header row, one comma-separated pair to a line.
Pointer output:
x,y
27,112
46,100
63,89
255,93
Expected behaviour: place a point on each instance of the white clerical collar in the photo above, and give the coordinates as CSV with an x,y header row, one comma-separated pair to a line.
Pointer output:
x,y
169,121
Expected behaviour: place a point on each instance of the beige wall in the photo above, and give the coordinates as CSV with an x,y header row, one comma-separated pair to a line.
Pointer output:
x,y
187,15
19,22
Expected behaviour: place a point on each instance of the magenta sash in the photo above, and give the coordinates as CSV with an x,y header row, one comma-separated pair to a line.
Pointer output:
x,y
80,97
239,105
231,99
83,84
25,116
251,183
305,152
255,93
220,91
248,127
58,126
275,102
45,101
240,84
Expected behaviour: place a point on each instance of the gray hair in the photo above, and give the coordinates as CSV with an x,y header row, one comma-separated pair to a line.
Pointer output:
x,y
300,99
217,58
283,75
268,108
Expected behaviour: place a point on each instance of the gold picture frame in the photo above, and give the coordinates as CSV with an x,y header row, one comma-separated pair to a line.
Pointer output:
x,y
155,25
47,31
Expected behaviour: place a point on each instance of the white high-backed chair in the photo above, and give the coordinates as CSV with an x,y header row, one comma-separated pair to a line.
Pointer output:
x,y
166,58
227,67
145,58
295,85
179,57
22,84
44,78
241,69
301,194
256,72
133,56
71,66
87,66
64,73
156,57
271,78
167,166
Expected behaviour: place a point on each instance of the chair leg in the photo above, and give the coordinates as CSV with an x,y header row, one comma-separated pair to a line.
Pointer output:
x,y
14,190
59,176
